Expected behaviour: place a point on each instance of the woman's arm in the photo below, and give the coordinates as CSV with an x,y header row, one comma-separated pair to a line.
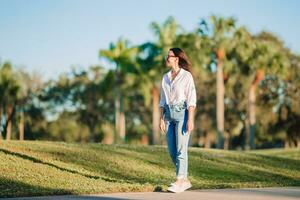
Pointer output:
x,y
190,122
191,110
191,103
162,103
162,124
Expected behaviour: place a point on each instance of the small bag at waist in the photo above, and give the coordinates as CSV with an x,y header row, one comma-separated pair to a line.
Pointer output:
x,y
177,107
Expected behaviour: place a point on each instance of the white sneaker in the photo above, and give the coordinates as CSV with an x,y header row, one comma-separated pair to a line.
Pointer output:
x,y
173,183
179,188
186,185
174,188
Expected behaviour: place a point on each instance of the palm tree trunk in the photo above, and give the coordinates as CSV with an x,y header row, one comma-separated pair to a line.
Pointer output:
x,y
220,104
8,131
155,116
251,107
122,129
21,126
251,116
119,110
117,118
10,111
120,125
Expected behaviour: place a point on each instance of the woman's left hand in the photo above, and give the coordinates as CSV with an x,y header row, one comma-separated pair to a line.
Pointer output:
x,y
189,126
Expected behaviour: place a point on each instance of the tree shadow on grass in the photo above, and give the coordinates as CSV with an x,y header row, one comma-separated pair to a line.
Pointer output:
x,y
26,189
18,190
36,160
12,188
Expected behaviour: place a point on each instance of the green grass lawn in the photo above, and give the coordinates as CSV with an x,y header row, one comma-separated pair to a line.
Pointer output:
x,y
31,168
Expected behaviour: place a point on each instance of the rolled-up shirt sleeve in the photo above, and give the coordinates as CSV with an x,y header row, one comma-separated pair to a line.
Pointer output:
x,y
162,101
191,98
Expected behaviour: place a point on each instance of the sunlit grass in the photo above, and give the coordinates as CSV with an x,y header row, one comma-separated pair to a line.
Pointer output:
x,y
31,168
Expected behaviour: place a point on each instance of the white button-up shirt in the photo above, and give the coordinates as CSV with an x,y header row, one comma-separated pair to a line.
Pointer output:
x,y
181,89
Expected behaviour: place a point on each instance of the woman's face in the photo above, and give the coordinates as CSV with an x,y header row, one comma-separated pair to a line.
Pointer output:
x,y
171,59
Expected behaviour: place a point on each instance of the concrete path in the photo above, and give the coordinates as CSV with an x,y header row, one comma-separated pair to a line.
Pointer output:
x,y
286,193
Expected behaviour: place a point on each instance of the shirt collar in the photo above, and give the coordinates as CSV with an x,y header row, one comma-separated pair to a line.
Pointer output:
x,y
178,75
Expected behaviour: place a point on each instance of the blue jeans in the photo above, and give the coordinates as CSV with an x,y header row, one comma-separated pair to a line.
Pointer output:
x,y
177,137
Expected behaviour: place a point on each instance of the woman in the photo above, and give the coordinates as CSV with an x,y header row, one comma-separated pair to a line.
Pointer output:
x,y
177,105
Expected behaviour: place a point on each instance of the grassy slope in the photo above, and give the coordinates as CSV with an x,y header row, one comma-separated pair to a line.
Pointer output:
x,y
31,168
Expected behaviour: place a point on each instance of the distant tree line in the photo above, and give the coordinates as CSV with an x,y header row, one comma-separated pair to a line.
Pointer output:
x,y
248,91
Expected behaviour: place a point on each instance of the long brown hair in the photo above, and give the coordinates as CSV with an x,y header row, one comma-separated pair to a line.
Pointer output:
x,y
184,61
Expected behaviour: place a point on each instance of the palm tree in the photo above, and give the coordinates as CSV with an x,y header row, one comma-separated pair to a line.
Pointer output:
x,y
270,56
9,89
30,85
251,119
220,97
148,81
253,57
219,31
122,56
272,59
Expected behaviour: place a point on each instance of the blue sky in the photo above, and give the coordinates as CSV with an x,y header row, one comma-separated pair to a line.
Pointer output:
x,y
50,36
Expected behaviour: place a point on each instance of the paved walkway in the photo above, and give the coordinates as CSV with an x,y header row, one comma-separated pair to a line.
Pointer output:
x,y
286,193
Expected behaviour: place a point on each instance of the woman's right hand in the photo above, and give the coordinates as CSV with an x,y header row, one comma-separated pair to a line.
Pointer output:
x,y
162,125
